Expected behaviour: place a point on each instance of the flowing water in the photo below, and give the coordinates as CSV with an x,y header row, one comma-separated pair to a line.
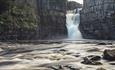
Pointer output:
x,y
73,20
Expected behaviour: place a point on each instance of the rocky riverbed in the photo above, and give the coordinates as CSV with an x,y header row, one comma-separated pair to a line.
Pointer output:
x,y
61,55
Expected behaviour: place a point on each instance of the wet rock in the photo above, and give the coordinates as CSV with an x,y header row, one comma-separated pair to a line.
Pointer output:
x,y
113,63
100,69
54,67
62,50
58,67
65,67
95,58
76,55
109,54
92,60
73,67
93,50
101,44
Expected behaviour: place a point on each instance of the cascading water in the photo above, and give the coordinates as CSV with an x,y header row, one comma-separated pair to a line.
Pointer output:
x,y
73,20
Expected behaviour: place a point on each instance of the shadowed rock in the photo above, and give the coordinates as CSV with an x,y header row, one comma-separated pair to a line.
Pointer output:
x,y
65,67
92,60
113,63
109,54
93,50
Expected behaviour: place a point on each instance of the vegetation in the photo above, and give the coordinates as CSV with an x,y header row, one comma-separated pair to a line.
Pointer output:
x,y
71,5
15,18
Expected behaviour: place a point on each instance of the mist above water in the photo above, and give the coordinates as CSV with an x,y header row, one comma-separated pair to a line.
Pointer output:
x,y
73,20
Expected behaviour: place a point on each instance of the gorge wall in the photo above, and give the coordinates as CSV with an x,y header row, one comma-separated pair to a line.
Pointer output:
x,y
32,19
52,19
98,19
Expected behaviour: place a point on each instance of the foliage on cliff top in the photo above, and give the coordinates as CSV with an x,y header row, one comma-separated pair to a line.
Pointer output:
x,y
14,16
71,5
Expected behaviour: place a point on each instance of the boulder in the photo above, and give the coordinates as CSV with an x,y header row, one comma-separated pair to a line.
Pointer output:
x,y
101,44
95,58
112,63
109,54
65,67
92,60
93,49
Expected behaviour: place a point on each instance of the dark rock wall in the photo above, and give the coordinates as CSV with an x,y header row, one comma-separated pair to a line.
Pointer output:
x,y
52,19
97,19
35,19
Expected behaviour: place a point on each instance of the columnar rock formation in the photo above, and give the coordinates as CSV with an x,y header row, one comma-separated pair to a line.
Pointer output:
x,y
97,19
52,19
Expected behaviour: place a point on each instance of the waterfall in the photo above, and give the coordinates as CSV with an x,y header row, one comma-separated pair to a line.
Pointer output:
x,y
73,20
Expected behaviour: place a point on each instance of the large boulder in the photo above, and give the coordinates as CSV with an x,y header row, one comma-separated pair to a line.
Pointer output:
x,y
109,54
92,60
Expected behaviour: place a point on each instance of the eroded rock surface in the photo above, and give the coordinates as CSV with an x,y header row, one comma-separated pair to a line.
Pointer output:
x,y
97,19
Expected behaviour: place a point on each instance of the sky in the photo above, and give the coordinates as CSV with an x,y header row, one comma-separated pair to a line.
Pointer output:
x,y
80,1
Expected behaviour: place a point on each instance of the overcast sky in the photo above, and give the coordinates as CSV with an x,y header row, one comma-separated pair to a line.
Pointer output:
x,y
80,1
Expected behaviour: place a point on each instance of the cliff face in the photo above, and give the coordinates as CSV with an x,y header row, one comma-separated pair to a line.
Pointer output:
x,y
97,19
52,19
28,19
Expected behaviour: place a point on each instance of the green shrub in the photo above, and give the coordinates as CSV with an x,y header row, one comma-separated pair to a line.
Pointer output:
x,y
14,16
